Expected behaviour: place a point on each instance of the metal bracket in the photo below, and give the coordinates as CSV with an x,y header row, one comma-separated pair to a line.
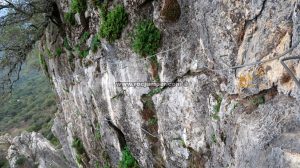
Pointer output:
x,y
289,70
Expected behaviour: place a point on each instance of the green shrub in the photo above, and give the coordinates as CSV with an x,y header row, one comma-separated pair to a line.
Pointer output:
x,y
146,38
81,48
58,52
258,100
82,53
70,18
4,163
95,43
213,138
113,24
155,91
98,132
78,146
43,63
103,9
21,160
78,6
152,121
217,107
79,159
84,37
128,161
67,44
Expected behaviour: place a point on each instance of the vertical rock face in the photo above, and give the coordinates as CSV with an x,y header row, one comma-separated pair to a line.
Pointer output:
x,y
243,117
33,150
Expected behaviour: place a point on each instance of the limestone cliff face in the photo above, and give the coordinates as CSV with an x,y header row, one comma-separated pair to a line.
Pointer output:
x,y
244,117
33,150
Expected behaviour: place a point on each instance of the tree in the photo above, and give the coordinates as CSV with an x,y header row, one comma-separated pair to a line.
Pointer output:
x,y
22,23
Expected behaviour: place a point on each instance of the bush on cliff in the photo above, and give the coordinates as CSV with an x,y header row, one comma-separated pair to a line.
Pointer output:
x,y
78,146
113,23
128,161
78,6
146,39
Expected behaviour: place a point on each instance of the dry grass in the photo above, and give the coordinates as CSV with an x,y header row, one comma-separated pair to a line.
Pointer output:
x,y
171,10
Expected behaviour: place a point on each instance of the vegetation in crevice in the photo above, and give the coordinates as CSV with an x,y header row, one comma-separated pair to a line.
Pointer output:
x,y
67,44
154,68
80,151
154,92
44,65
95,43
21,160
4,163
58,52
98,132
113,23
128,161
81,48
152,121
69,18
258,100
217,107
213,138
78,6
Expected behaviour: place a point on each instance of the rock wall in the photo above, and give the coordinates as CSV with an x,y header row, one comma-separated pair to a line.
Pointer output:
x,y
220,117
31,150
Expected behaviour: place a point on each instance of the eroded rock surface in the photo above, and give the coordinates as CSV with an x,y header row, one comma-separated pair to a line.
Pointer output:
x,y
32,150
245,117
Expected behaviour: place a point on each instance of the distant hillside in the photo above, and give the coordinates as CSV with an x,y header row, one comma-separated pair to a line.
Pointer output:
x,y
31,106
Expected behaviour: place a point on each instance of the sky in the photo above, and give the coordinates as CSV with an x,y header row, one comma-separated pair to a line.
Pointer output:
x,y
3,11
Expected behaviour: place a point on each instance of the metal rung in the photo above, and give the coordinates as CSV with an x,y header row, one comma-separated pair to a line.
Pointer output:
x,y
289,70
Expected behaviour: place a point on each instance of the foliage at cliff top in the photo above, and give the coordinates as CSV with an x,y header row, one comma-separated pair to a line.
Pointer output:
x,y
146,39
113,23
22,23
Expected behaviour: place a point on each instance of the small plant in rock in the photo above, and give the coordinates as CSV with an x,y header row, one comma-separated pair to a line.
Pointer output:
x,y
258,100
98,133
67,44
70,18
84,37
81,48
78,6
217,107
78,146
152,121
82,53
146,38
155,91
95,43
182,143
213,138
128,161
58,52
113,24
21,160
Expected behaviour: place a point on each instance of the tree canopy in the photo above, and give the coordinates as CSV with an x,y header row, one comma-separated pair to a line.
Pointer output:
x,y
22,23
